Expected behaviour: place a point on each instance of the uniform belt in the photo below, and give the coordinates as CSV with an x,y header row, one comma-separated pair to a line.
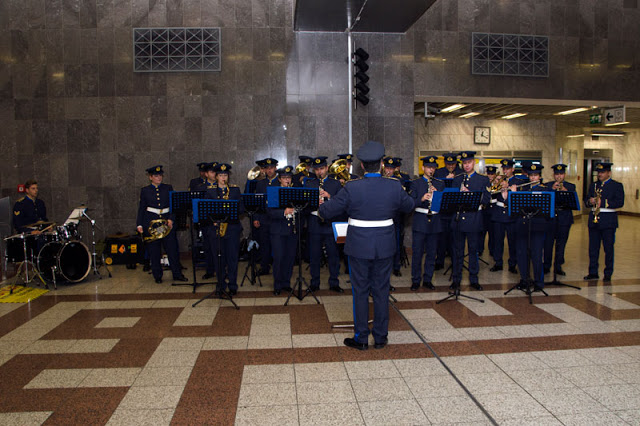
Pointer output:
x,y
480,207
500,204
494,201
425,211
158,211
370,223
608,210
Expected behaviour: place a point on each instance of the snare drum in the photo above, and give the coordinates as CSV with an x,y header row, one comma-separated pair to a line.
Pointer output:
x,y
68,232
66,261
16,246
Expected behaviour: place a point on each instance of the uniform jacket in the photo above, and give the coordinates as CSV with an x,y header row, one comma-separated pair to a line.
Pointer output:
x,y
538,223
196,182
280,225
154,197
333,187
428,224
564,217
216,193
261,188
370,198
612,198
472,221
500,209
27,211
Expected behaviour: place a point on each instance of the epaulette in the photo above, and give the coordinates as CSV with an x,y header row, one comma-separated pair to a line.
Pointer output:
x,y
20,200
352,180
392,178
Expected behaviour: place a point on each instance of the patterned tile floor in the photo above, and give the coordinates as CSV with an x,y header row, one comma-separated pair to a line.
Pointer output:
x,y
128,351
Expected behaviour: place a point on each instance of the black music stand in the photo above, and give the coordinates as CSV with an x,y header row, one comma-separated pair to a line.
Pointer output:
x,y
459,202
217,212
529,204
299,198
253,203
181,205
565,200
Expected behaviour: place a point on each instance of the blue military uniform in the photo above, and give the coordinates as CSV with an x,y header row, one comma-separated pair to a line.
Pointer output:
x,y
444,241
283,242
426,227
398,220
468,225
540,225
264,234
371,204
349,158
321,233
604,230
27,211
502,223
206,231
560,226
154,204
298,178
487,213
227,269
200,180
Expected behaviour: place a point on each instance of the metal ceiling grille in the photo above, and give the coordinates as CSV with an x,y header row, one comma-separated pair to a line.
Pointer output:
x,y
509,55
176,49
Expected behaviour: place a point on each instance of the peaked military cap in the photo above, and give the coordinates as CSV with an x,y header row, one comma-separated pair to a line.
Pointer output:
x,y
429,160
491,169
222,168
603,167
155,170
371,151
467,155
286,171
450,157
320,161
559,168
348,157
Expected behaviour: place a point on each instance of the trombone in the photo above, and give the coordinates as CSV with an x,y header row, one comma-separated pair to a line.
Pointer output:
x,y
499,190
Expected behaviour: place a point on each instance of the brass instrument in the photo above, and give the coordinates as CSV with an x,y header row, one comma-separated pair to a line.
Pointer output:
x,y
465,182
255,174
558,185
397,174
499,190
158,229
340,168
302,168
496,184
222,230
596,207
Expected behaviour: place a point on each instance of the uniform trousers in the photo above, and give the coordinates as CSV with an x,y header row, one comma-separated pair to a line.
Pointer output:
x,y
444,241
333,258
423,243
264,240
227,262
284,257
170,244
559,234
535,260
370,276
472,239
606,237
499,231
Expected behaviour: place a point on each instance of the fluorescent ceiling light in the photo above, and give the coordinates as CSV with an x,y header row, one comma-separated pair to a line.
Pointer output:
x,y
576,136
613,134
616,124
516,115
572,111
453,108
469,115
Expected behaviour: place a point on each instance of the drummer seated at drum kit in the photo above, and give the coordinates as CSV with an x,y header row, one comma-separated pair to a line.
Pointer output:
x,y
29,210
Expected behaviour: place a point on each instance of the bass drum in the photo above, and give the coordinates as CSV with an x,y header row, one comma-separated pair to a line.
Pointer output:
x,y
64,261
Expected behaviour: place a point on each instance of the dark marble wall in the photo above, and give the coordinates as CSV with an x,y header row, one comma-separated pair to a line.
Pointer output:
x,y
77,118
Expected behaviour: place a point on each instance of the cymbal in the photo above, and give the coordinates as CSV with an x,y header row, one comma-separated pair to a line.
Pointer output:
x,y
39,223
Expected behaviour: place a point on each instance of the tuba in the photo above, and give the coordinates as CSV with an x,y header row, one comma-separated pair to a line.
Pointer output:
x,y
339,169
255,174
158,229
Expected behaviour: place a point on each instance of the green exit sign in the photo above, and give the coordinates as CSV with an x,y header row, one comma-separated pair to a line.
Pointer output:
x,y
595,119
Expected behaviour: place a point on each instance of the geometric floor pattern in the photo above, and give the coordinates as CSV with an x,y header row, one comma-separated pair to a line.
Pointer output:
x,y
125,350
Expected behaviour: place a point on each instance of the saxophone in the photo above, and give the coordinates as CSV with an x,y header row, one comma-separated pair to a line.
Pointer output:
x,y
596,208
222,230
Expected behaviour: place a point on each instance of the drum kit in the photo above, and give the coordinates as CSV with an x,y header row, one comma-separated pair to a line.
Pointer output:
x,y
51,253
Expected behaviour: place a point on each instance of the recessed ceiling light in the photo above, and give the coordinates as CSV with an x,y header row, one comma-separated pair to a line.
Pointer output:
x,y
516,115
616,124
453,108
469,115
576,136
572,111
606,134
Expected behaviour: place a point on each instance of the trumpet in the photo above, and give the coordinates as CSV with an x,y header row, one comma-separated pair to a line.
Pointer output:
x,y
558,185
499,190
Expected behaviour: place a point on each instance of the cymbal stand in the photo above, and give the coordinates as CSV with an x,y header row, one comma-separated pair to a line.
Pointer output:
x,y
93,248
26,263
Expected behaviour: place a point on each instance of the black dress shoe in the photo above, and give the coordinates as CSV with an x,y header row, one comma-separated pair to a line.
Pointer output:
x,y
392,288
276,292
496,268
181,278
314,288
428,285
381,344
560,272
606,279
415,286
233,292
513,269
547,270
207,276
355,345
591,277
397,272
476,286
438,266
286,289
521,285
337,289
158,280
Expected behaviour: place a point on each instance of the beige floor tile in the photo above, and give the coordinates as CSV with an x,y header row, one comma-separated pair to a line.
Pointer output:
x,y
110,377
430,324
359,370
325,340
419,367
163,376
482,383
531,421
471,364
517,362
562,358
270,330
253,394
632,351
515,403
337,414
628,373
32,418
381,390
181,344
567,401
151,397
592,419
403,337
442,335
13,347
591,375
616,397
49,347
113,322
603,356
540,379
481,333
58,378
194,320
519,331
270,319
225,343
486,309
630,416
412,314
339,312
173,359
125,417
434,386
275,415
407,412
270,342
453,409
93,345
280,373
320,372
136,304
324,392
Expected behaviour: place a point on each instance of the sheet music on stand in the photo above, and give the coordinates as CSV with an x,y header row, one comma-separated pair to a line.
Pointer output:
x,y
281,197
254,203
204,210
542,203
567,200
76,215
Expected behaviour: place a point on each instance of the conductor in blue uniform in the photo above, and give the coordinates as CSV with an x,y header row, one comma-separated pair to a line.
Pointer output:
x,y
468,225
371,204
603,219
229,243
321,231
29,209
154,204
560,225
426,225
